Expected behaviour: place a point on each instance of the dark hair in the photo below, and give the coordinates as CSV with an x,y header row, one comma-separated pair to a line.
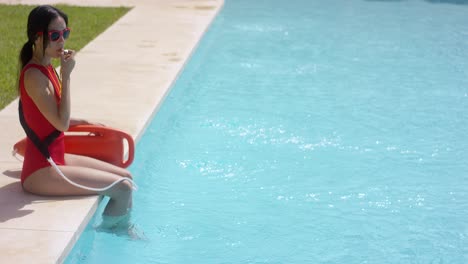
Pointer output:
x,y
38,21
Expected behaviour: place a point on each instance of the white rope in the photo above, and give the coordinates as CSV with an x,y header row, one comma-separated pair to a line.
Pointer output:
x,y
14,152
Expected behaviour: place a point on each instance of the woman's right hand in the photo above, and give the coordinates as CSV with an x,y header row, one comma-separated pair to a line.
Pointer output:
x,y
67,63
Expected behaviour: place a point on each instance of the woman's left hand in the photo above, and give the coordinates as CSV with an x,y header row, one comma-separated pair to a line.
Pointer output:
x,y
76,122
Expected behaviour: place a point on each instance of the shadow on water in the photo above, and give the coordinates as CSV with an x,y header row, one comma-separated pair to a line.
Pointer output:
x,y
456,2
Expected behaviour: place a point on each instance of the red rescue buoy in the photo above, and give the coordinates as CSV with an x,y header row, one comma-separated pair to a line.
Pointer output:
x,y
99,142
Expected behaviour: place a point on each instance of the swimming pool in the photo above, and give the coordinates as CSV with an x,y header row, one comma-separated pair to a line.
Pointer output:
x,y
308,132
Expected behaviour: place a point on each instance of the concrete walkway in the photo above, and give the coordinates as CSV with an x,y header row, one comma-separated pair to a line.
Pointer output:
x,y
120,79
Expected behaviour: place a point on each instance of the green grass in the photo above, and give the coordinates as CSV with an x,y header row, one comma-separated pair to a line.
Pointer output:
x,y
86,23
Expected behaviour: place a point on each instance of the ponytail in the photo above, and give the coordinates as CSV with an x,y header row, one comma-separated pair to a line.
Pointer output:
x,y
26,53
24,57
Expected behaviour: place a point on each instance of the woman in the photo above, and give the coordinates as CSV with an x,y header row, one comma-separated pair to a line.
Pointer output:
x,y
45,102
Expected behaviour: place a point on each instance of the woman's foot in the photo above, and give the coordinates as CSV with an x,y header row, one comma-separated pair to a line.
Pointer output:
x,y
121,226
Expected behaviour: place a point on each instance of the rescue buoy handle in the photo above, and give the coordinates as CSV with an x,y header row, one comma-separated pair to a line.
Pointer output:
x,y
107,130
131,150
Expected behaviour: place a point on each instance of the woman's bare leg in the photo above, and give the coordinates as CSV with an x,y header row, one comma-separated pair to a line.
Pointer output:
x,y
84,161
47,181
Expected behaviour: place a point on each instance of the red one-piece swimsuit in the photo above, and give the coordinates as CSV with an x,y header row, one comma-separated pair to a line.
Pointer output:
x,y
33,159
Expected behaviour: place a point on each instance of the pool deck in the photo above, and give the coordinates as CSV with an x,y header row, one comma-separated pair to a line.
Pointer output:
x,y
120,79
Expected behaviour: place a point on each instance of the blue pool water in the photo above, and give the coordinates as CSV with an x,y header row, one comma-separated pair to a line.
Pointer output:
x,y
308,131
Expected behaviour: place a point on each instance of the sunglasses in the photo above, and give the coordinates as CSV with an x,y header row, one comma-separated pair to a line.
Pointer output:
x,y
55,35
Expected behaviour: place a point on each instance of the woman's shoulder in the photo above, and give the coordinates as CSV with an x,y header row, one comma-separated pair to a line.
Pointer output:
x,y
34,76
34,72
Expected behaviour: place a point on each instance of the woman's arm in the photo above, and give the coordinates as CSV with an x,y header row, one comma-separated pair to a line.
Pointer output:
x,y
37,87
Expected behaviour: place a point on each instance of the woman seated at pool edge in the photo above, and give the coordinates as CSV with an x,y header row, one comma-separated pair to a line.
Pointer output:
x,y
45,100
